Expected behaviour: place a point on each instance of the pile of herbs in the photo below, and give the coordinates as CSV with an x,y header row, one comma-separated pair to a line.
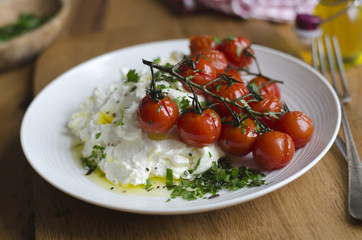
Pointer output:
x,y
24,24
220,176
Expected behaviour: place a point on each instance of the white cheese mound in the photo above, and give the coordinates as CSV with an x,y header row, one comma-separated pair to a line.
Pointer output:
x,y
109,119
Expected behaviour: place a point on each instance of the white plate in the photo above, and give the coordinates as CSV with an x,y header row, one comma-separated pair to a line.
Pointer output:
x,y
46,142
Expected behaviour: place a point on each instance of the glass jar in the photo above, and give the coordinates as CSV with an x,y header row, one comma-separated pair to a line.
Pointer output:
x,y
346,26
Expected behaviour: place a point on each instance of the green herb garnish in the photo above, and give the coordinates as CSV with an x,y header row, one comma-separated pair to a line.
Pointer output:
x,y
157,60
132,76
148,184
91,162
220,176
231,37
161,86
162,76
120,122
169,178
182,102
238,51
24,24
217,40
182,191
196,166
98,135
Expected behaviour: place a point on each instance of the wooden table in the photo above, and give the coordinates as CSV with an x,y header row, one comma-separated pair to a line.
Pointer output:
x,y
312,207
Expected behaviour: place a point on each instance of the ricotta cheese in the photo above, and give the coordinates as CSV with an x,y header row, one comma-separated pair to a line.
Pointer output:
x,y
107,124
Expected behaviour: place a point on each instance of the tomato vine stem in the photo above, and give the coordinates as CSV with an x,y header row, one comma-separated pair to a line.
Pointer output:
x,y
173,71
154,93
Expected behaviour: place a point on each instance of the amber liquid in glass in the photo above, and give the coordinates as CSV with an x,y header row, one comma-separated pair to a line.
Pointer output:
x,y
347,27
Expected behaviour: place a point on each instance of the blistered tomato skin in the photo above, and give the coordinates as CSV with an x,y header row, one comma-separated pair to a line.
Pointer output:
x,y
157,117
215,57
199,130
238,141
228,91
265,87
237,51
203,73
270,103
273,150
200,42
298,125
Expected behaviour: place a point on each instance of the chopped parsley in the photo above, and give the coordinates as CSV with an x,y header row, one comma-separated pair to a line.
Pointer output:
x,y
196,166
120,122
182,102
91,162
217,40
169,178
273,115
159,108
132,76
24,24
238,51
98,135
161,86
253,87
189,78
220,176
162,76
157,60
148,184
231,37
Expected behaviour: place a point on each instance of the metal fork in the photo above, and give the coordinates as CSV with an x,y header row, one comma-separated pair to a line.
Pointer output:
x,y
349,148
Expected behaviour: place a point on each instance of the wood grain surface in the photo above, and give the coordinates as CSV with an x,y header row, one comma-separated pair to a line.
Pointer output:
x,y
312,207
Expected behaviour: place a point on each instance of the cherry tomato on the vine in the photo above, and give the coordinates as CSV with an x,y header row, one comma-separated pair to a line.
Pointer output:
x,y
238,52
270,104
273,150
230,91
298,125
199,130
202,73
265,86
159,116
197,43
216,58
239,140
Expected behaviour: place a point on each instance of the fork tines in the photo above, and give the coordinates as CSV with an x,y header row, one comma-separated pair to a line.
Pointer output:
x,y
333,53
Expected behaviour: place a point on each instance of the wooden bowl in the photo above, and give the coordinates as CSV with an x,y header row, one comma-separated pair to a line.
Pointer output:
x,y
25,47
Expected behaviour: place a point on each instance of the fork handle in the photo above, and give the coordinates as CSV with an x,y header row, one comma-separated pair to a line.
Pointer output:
x,y
341,146
354,170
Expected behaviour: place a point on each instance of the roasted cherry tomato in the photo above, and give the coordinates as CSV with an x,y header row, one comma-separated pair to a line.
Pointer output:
x,y
273,150
230,90
270,104
197,43
201,73
216,58
238,52
265,87
298,125
238,140
199,130
157,116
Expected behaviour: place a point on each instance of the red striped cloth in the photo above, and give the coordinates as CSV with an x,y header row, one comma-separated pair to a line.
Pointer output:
x,y
270,10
